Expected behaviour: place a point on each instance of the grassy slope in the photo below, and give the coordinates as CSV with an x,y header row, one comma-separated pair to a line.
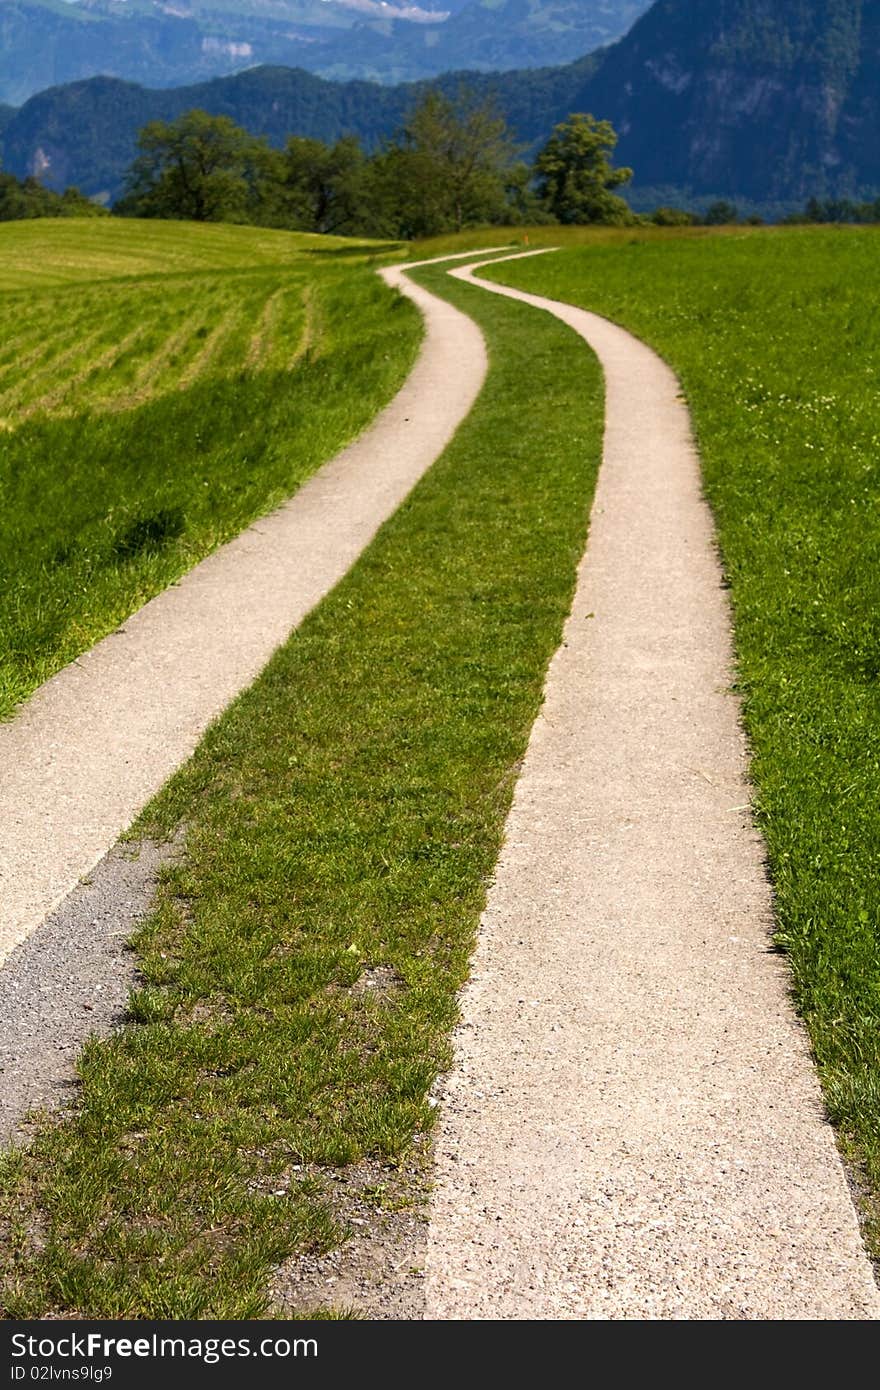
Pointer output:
x,y
343,820
70,252
776,338
160,386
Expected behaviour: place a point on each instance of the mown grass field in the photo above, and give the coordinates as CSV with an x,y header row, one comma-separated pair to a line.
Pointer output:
x,y
343,819
160,386
342,822
776,337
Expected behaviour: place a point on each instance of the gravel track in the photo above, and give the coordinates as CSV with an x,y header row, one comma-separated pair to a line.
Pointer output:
x,y
633,1127
70,980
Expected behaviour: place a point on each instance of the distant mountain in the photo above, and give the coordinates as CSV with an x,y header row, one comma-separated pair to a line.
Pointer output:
x,y
766,99
483,36
769,101
165,43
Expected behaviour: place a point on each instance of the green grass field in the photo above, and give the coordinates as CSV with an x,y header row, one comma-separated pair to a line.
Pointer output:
x,y
343,820
776,338
161,385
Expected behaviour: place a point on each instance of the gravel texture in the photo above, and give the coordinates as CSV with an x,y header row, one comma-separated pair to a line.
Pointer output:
x,y
69,980
378,1272
633,1127
91,747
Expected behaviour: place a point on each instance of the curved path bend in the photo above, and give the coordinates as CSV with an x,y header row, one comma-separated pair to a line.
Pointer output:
x,y
89,749
633,1127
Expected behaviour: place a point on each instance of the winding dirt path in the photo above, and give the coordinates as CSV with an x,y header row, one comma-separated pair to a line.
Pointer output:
x,y
633,1128
85,754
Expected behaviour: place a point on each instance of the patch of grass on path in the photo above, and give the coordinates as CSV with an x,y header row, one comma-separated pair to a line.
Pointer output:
x,y
776,338
146,416
344,819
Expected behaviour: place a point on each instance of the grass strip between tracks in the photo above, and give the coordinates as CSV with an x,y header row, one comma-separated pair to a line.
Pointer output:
x,y
343,820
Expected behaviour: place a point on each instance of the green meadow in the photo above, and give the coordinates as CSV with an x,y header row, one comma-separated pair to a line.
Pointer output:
x,y
161,385
775,336
342,822
343,818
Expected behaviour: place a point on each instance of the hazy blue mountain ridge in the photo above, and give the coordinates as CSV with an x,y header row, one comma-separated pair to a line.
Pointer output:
x,y
46,43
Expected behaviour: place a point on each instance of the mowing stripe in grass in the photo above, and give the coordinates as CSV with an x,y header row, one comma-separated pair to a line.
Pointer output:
x,y
103,506
344,815
262,332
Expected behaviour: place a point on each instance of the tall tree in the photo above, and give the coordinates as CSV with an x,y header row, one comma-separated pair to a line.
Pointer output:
x,y
201,168
575,175
447,165
326,188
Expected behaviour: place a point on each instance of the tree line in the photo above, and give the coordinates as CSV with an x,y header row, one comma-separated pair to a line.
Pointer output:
x,y
838,210
452,164
25,198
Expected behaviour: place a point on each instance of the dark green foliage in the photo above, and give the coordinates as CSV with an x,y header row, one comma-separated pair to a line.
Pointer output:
x,y
450,165
673,217
575,175
324,188
838,210
720,214
199,168
447,167
23,198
